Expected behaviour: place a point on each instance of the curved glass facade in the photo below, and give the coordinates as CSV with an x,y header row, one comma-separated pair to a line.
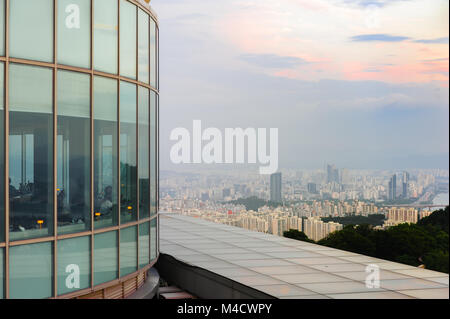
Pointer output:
x,y
79,100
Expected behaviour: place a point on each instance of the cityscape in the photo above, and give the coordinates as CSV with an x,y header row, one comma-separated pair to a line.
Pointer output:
x,y
299,199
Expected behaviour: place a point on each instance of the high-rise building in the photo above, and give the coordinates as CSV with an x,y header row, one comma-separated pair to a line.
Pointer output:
x,y
424,213
405,181
275,187
345,178
312,188
393,187
332,174
316,229
78,148
401,215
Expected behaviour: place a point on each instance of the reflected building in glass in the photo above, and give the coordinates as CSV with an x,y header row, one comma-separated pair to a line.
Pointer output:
x,y
78,147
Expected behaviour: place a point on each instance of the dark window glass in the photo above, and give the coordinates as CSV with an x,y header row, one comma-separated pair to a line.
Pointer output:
x,y
153,149
73,152
30,152
105,257
31,271
2,273
143,151
2,156
74,264
144,244
128,250
128,169
153,239
105,152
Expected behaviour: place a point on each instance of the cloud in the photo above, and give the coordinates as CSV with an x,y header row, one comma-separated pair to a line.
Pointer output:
x,y
272,60
443,40
435,60
378,37
372,70
369,3
442,72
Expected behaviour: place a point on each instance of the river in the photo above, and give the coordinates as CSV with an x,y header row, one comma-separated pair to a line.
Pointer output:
x,y
441,199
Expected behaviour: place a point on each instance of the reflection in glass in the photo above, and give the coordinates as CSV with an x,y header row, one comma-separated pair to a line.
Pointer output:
x,y
31,29
105,35
30,152
152,53
105,257
143,46
128,250
144,247
153,146
74,32
30,271
2,156
73,152
2,27
157,59
128,170
2,276
105,152
73,256
127,39
144,147
153,239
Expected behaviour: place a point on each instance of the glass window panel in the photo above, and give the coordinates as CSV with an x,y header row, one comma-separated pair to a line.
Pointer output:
x,y
157,58
31,29
2,70
127,39
152,53
105,257
153,146
143,46
105,35
153,239
2,156
73,152
105,152
144,146
30,271
128,170
144,241
74,264
2,27
128,250
30,152
2,273
74,32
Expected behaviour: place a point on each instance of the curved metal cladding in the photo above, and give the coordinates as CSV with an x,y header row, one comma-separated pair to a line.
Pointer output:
x,y
78,146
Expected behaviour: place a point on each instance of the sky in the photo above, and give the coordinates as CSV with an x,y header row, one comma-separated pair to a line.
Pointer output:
x,y
357,83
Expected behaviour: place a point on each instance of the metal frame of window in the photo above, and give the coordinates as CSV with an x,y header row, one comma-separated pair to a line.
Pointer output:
x,y
54,66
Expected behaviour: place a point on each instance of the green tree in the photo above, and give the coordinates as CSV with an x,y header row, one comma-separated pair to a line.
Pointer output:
x,y
439,219
350,239
298,235
426,242
436,260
